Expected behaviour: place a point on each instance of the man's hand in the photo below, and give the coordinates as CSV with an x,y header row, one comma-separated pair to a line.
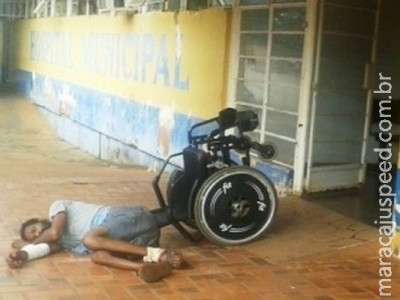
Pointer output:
x,y
18,244
17,259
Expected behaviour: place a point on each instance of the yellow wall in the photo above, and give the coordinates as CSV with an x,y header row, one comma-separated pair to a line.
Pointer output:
x,y
164,59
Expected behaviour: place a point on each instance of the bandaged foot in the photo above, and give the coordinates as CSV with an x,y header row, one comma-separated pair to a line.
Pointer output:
x,y
153,254
173,257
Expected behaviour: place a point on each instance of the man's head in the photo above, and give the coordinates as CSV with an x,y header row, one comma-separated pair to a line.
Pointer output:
x,y
33,228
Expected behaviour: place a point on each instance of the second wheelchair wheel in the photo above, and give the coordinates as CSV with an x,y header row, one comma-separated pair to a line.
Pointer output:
x,y
235,205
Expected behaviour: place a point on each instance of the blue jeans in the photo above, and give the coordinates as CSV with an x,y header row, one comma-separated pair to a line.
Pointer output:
x,y
133,224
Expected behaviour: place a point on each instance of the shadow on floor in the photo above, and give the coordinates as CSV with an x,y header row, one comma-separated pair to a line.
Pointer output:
x,y
361,204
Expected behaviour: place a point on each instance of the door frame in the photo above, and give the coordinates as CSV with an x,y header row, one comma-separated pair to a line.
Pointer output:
x,y
306,87
350,171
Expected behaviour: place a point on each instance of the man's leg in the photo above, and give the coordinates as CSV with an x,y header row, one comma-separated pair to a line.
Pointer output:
x,y
105,258
148,272
99,239
130,230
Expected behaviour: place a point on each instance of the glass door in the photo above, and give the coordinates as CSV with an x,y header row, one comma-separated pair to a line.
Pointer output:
x,y
269,61
341,94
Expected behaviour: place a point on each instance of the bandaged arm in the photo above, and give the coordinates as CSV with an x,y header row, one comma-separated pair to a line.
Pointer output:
x,y
17,258
36,251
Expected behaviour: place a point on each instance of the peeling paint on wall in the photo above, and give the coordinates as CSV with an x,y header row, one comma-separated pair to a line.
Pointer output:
x,y
281,177
166,121
67,101
123,131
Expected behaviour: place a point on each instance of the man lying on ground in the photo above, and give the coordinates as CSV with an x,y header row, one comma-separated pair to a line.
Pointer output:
x,y
113,236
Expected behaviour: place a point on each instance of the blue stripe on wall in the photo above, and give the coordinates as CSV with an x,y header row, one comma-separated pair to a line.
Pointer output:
x,y
117,129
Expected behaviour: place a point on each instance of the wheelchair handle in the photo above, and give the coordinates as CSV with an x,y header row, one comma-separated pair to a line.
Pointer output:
x,y
266,150
228,118
199,139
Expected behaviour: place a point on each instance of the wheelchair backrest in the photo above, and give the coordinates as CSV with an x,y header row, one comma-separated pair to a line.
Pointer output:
x,y
184,184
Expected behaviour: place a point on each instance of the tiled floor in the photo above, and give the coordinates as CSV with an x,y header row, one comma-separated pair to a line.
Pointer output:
x,y
311,253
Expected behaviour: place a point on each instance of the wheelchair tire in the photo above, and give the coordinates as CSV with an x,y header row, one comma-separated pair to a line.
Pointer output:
x,y
235,205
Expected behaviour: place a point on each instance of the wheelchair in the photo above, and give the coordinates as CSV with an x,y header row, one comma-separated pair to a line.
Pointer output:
x,y
217,194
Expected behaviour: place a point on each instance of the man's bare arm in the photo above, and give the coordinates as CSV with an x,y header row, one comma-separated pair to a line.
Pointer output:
x,y
17,258
54,233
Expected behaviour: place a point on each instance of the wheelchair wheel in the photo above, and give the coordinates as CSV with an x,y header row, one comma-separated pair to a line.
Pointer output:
x,y
235,205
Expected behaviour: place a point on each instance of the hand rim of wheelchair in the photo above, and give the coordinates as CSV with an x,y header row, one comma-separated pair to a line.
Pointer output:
x,y
235,218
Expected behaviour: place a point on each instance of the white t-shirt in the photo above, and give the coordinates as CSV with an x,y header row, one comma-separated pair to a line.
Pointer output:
x,y
79,218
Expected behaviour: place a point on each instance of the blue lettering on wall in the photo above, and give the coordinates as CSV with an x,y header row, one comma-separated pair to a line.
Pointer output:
x,y
53,48
126,58
147,55
144,58
178,82
162,69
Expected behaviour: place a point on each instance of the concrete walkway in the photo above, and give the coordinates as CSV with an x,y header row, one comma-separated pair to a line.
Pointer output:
x,y
311,253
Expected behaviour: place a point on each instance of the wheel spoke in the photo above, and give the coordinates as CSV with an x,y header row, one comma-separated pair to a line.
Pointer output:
x,y
235,206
